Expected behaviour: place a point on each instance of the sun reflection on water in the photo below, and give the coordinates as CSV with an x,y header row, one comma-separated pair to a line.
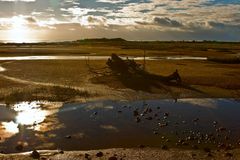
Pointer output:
x,y
30,114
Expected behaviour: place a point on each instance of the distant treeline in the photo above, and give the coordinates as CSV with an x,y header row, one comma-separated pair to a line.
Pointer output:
x,y
143,45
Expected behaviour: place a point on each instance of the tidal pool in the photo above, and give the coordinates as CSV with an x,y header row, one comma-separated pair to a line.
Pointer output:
x,y
102,124
19,58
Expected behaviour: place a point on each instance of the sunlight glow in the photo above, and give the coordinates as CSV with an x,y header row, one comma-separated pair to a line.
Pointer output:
x,y
19,31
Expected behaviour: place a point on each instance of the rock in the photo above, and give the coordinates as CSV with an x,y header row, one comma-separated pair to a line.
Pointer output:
x,y
166,114
155,132
215,123
61,152
158,107
95,113
112,158
190,138
99,154
35,154
163,124
119,111
86,156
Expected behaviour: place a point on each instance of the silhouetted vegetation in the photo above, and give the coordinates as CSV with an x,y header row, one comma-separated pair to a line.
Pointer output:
x,y
54,93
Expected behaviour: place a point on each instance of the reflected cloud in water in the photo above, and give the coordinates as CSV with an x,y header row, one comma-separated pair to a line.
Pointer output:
x,y
204,102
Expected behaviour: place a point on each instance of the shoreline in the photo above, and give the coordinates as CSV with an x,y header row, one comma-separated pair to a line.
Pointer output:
x,y
128,153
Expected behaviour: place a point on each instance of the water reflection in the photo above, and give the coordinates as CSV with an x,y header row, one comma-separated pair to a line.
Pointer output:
x,y
31,115
112,124
99,58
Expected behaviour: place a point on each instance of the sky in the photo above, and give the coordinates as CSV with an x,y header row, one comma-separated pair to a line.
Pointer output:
x,y
59,20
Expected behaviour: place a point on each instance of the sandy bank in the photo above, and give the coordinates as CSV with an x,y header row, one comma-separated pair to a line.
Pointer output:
x,y
130,154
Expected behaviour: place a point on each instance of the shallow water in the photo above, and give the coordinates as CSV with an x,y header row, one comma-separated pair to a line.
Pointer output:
x,y
17,58
107,124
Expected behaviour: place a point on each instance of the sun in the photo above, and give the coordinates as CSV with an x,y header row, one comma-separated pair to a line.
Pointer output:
x,y
19,31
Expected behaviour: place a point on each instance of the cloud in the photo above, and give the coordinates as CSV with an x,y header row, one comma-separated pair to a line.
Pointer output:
x,y
112,1
188,19
18,0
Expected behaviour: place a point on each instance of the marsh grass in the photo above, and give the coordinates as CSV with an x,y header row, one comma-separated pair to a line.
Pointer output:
x,y
49,93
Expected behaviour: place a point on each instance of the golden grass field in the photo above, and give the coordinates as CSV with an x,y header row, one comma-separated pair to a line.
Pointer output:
x,y
46,79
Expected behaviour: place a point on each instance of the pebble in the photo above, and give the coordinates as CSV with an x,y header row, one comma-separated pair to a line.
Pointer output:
x,y
61,152
215,122
35,154
86,155
166,114
99,154
163,124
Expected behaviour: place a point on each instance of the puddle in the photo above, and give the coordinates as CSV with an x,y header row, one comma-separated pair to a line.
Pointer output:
x,y
108,124
97,58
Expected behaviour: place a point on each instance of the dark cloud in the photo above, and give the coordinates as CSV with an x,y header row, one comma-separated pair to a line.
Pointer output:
x,y
166,22
30,19
223,26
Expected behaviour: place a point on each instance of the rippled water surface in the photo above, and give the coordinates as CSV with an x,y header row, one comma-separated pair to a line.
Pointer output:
x,y
107,124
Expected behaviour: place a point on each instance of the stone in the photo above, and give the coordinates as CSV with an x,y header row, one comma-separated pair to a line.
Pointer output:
x,y
99,154
35,154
